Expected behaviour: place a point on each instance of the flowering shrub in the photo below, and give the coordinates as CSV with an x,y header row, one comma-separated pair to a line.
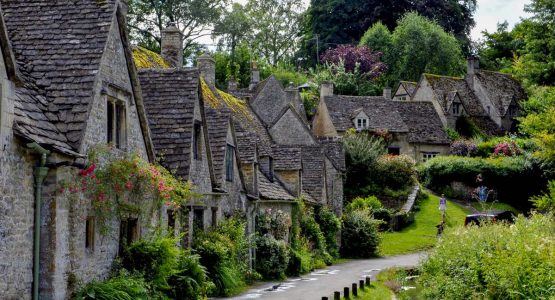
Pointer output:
x,y
117,186
463,148
356,58
506,149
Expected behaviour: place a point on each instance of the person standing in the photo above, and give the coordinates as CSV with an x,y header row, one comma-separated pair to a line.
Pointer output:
x,y
442,207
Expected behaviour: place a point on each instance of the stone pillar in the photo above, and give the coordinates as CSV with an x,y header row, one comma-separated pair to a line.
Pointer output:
x,y
172,46
326,89
207,67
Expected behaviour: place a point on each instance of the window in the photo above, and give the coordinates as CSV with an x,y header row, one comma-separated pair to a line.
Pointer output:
x,y
429,155
404,98
456,108
489,110
117,127
89,233
271,169
214,216
128,232
198,218
229,163
197,145
512,110
362,123
394,151
171,221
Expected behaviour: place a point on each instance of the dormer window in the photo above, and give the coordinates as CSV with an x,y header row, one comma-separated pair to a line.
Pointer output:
x,y
457,108
362,123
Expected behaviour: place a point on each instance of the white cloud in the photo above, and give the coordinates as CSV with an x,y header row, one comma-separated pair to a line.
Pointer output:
x,y
491,12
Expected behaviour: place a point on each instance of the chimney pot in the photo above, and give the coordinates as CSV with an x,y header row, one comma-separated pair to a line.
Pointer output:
x,y
472,65
207,67
326,89
232,84
172,45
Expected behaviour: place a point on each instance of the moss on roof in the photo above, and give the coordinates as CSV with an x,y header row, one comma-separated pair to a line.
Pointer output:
x,y
146,59
215,101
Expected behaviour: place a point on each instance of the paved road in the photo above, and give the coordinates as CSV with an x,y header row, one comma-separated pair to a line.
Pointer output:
x,y
323,282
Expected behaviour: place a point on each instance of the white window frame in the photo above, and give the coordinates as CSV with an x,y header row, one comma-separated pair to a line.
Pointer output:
x,y
429,155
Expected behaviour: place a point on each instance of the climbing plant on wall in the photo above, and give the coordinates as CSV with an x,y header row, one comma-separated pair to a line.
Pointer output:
x,y
119,185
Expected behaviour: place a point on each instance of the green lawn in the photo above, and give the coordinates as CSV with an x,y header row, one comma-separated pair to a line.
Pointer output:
x,y
422,233
494,206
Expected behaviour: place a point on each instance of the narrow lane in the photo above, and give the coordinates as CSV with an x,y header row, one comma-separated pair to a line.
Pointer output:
x,y
324,282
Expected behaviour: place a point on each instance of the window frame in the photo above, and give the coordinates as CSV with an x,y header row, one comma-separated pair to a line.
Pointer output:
x,y
456,109
90,223
197,138
429,155
228,162
116,122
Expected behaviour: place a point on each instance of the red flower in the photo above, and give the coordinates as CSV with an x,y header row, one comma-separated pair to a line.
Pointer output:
x,y
129,185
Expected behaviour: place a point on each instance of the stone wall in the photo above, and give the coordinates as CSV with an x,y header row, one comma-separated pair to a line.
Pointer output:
x,y
291,180
334,188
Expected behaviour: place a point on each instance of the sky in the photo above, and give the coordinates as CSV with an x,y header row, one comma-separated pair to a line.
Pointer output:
x,y
491,12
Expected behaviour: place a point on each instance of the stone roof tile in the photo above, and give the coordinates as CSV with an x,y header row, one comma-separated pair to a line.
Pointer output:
x,y
170,97
286,157
424,124
502,89
272,190
58,49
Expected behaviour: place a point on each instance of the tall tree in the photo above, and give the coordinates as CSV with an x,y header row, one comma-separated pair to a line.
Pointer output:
x,y
276,25
498,49
194,18
233,27
345,21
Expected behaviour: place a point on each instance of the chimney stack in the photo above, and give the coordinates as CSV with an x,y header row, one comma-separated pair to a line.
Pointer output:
x,y
326,89
232,84
472,65
255,76
172,45
207,67
387,93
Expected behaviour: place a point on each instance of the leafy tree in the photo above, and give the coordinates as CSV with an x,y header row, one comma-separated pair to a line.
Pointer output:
x,y
378,38
276,25
422,46
345,21
238,68
499,48
193,18
367,61
233,27
539,121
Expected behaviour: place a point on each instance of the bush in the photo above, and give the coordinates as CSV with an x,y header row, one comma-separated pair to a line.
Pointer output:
x,y
310,229
396,171
546,201
300,259
167,268
224,252
359,234
272,257
493,261
273,222
463,148
515,179
384,215
122,287
371,203
487,148
330,226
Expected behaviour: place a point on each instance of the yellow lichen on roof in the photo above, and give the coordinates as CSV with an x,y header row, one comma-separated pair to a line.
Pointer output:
x,y
146,59
233,103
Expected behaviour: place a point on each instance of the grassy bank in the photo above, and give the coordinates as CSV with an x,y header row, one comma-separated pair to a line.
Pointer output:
x,y
421,234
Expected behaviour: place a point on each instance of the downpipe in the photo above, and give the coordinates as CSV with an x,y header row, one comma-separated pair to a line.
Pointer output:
x,y
40,172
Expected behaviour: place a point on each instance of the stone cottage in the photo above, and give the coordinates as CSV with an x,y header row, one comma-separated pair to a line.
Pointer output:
x,y
413,129
489,99
68,83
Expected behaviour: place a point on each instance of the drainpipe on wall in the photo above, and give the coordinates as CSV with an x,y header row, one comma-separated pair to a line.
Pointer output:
x,y
40,173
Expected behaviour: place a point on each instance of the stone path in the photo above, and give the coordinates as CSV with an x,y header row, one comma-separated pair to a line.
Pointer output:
x,y
325,281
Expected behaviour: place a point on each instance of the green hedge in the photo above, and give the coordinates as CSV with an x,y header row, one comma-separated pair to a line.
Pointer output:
x,y
515,179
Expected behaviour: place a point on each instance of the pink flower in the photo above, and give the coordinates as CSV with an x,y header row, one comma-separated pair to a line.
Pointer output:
x,y
129,185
